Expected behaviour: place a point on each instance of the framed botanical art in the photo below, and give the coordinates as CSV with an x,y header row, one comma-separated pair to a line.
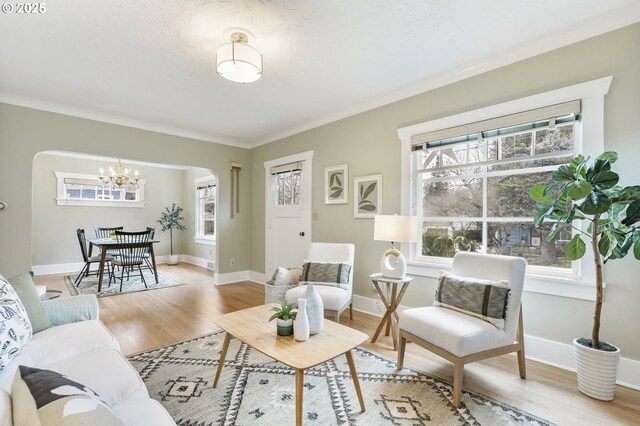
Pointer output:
x,y
336,184
367,196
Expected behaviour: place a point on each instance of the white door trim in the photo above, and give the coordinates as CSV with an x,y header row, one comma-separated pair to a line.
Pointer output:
x,y
306,156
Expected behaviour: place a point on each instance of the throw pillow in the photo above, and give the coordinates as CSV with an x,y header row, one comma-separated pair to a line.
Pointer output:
x,y
331,274
44,397
483,299
285,276
15,328
26,289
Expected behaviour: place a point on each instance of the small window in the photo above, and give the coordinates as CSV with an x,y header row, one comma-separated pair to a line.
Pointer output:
x,y
288,184
205,210
76,189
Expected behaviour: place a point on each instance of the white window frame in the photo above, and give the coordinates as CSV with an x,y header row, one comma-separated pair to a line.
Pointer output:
x,y
199,238
590,141
62,200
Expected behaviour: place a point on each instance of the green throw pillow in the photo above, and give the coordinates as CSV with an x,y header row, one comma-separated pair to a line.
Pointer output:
x,y
25,287
484,299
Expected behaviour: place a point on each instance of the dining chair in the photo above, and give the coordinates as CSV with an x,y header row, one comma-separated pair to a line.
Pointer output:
x,y
106,233
147,255
131,247
477,314
335,297
89,260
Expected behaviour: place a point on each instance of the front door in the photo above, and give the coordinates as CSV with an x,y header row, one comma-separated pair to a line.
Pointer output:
x,y
288,211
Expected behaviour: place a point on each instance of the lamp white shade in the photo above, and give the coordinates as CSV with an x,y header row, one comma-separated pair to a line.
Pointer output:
x,y
394,228
239,62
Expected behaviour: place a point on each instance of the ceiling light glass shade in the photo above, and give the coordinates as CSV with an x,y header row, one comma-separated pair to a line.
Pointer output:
x,y
239,62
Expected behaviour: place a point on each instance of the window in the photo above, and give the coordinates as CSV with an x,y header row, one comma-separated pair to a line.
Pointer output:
x,y
287,181
205,210
75,189
475,190
467,179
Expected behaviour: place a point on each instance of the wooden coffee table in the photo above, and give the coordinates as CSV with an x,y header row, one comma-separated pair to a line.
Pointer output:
x,y
252,327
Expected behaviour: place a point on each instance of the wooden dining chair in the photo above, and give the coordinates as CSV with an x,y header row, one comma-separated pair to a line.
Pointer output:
x,y
106,233
131,247
89,260
147,255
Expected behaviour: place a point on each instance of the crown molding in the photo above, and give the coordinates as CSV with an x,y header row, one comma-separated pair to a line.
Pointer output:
x,y
23,101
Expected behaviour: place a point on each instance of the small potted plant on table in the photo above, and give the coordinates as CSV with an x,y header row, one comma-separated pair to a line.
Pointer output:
x,y
285,314
172,219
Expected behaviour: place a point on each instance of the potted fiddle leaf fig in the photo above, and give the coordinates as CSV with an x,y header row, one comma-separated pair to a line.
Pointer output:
x,y
584,191
285,314
171,219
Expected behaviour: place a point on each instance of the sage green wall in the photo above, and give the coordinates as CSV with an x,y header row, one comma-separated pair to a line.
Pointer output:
x,y
192,248
368,142
57,243
24,132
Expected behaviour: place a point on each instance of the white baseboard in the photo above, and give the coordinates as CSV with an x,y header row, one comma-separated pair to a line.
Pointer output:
x,y
198,261
556,354
230,277
59,268
258,277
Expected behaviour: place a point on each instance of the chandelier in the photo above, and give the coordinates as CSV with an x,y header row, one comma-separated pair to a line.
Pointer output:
x,y
119,177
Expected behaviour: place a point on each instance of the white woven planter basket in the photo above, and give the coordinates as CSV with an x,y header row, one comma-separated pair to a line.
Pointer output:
x,y
597,371
275,293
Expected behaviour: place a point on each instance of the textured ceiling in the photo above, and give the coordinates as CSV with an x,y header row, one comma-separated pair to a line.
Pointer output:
x,y
153,61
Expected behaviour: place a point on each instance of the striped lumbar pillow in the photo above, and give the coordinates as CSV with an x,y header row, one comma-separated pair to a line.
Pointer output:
x,y
331,274
483,299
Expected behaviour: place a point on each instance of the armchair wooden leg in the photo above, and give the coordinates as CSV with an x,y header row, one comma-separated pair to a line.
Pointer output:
x,y
351,310
401,348
337,317
458,372
520,336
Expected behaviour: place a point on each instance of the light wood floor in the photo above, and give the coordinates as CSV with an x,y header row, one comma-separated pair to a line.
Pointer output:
x,y
149,319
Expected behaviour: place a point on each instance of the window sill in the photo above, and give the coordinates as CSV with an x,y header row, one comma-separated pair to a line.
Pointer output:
x,y
205,241
98,203
533,283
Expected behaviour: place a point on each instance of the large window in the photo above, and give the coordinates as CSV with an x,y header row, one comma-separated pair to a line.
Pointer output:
x,y
475,190
467,178
76,189
205,210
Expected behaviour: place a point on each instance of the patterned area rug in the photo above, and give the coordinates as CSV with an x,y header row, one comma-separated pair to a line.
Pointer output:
x,y
255,390
89,285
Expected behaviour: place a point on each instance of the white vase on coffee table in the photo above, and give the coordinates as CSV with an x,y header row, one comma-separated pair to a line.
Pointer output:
x,y
301,323
315,309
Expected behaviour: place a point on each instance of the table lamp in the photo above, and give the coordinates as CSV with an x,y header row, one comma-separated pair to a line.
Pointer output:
x,y
396,229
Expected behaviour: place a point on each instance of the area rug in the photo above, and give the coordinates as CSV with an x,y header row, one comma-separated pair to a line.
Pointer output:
x,y
255,390
89,285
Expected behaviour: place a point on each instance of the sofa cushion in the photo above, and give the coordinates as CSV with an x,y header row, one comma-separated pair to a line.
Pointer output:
x,y
483,299
104,370
143,412
453,331
25,287
333,298
60,342
326,273
45,397
6,418
15,328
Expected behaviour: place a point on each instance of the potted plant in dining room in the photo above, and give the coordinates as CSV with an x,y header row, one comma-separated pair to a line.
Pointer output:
x,y
581,191
285,314
171,219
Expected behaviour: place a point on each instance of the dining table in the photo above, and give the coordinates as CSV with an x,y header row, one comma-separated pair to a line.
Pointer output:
x,y
106,244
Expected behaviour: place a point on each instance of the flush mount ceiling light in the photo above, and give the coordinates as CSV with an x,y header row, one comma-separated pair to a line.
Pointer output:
x,y
237,61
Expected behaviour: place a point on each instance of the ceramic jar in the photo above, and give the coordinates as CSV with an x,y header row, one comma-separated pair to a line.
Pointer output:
x,y
315,309
301,324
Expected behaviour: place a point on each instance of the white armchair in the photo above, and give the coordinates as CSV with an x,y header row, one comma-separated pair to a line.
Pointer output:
x,y
334,299
462,338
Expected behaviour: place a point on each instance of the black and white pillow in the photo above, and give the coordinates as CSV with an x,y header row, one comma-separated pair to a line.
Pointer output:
x,y
326,273
47,397
15,328
483,299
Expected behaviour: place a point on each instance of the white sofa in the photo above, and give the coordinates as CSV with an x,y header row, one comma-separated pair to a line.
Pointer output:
x,y
80,347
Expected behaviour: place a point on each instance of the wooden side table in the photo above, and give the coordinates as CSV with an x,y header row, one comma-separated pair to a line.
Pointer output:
x,y
390,318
